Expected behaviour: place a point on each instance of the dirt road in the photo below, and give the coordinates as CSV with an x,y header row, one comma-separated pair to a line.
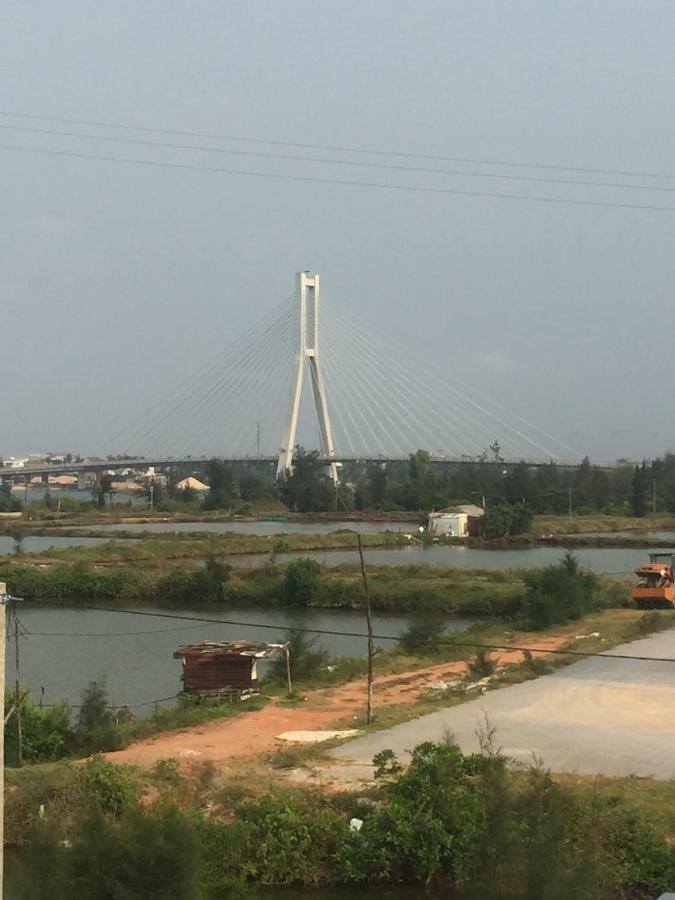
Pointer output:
x,y
255,733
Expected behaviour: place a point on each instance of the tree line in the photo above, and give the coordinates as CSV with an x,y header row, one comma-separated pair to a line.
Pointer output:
x,y
424,484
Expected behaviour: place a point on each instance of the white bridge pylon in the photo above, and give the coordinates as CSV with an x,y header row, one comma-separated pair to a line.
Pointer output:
x,y
308,299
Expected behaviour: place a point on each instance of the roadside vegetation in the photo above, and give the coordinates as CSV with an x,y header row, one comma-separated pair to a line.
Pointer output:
x,y
466,826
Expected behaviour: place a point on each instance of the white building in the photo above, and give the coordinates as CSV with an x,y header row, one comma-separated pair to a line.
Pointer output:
x,y
455,521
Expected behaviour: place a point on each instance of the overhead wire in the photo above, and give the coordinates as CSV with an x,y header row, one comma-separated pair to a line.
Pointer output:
x,y
377,151
341,162
605,654
339,182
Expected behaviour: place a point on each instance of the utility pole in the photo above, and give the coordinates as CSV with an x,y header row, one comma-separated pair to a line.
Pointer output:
x,y
4,600
369,622
17,680
152,495
257,440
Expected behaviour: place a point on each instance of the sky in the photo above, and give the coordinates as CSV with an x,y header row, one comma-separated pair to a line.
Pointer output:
x,y
118,280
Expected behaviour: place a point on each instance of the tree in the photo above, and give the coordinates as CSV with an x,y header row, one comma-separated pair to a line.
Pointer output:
x,y
505,519
95,726
219,477
425,628
8,503
104,487
301,582
638,500
558,593
378,480
307,488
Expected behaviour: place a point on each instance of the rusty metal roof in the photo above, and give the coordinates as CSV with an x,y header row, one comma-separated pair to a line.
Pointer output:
x,y
256,649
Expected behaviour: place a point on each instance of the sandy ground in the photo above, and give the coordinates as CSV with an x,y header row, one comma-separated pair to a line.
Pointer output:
x,y
598,716
255,733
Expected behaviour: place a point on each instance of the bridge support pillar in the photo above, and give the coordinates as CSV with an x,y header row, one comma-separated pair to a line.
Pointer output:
x,y
307,350
82,481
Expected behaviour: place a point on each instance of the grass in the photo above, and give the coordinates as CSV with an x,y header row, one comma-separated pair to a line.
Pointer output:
x,y
186,715
598,522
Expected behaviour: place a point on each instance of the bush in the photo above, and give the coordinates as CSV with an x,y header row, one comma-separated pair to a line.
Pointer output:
x,y
46,733
429,825
291,838
96,728
556,594
301,582
424,630
205,585
151,855
306,656
482,665
105,787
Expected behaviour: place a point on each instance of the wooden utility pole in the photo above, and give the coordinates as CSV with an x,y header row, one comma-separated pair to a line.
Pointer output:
x,y
369,622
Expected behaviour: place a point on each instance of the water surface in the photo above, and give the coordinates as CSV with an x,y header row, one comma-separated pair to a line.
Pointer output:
x,y
65,648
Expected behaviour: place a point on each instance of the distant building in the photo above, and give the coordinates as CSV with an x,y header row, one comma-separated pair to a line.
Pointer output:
x,y
455,521
191,482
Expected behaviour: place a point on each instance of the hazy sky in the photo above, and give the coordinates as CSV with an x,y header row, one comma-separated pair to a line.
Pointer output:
x,y
117,280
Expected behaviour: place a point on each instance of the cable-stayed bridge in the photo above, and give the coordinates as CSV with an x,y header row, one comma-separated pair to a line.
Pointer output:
x,y
311,373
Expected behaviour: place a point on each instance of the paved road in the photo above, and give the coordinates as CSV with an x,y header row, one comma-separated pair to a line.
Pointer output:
x,y
607,716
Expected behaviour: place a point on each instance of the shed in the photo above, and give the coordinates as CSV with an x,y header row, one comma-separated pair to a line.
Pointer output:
x,y
448,523
221,668
455,521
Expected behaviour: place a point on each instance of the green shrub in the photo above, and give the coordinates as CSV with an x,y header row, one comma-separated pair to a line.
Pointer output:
x,y
301,582
556,594
104,786
429,825
291,838
46,733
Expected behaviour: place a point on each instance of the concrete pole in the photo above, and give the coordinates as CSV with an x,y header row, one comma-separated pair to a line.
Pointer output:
x,y
3,630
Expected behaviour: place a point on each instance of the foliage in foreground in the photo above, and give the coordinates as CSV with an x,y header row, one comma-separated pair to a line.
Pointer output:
x,y
466,823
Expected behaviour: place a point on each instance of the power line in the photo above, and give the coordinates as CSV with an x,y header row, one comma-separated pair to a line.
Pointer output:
x,y
381,637
103,634
339,162
115,705
335,181
336,148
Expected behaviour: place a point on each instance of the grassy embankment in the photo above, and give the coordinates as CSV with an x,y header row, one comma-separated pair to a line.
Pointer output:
x,y
444,821
168,570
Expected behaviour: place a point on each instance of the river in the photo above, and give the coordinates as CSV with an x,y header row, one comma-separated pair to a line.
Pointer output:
x,y
269,528
64,649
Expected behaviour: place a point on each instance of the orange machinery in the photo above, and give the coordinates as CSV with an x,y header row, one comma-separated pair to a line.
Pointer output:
x,y
655,587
